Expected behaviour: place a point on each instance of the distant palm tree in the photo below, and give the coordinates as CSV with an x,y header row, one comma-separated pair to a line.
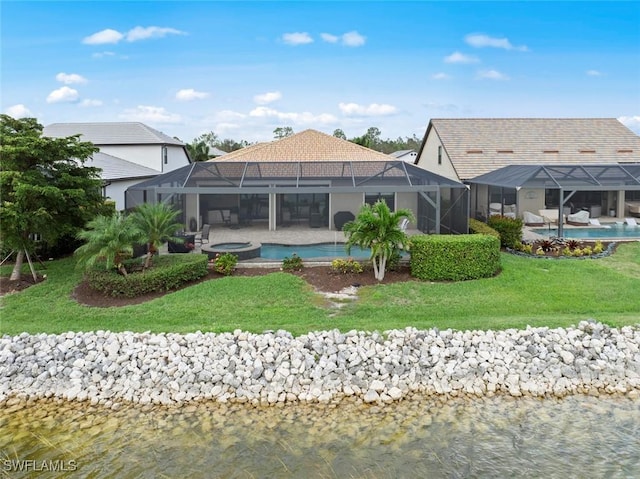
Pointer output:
x,y
109,239
198,151
378,228
157,225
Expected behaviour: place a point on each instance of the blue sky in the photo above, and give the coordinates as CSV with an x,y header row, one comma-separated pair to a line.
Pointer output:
x,y
242,69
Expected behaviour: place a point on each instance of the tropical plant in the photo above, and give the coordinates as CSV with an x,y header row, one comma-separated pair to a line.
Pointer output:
x,y
198,151
46,189
225,263
293,263
109,239
377,227
157,223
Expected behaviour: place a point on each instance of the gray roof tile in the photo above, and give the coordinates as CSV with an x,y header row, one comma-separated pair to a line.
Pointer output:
x,y
111,133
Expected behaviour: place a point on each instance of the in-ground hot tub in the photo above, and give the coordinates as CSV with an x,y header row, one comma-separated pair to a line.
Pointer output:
x,y
243,251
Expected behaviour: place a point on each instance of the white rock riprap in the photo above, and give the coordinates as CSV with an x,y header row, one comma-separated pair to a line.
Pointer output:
x,y
113,368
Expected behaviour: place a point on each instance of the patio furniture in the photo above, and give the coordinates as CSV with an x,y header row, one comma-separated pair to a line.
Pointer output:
x,y
634,207
631,222
596,222
341,218
531,219
189,239
498,209
550,215
203,236
581,218
403,224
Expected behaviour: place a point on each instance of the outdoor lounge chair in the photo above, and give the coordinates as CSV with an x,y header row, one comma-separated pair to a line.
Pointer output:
x,y
596,222
631,222
581,218
531,219
203,236
403,224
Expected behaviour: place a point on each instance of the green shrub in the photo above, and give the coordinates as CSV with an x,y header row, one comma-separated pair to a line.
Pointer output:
x,y
225,263
478,227
510,229
292,264
168,272
454,257
346,266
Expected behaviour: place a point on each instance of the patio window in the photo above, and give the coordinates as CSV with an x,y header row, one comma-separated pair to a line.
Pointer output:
x,y
389,199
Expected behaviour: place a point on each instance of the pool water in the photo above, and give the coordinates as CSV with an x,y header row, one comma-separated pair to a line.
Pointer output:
x,y
322,250
615,232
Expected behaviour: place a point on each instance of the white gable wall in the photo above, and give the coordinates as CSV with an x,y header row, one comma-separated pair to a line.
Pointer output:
x,y
429,158
115,191
150,156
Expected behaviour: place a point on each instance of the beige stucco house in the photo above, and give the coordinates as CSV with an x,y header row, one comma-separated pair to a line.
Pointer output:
x,y
465,149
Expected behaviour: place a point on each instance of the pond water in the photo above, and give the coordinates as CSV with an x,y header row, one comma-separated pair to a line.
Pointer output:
x,y
578,436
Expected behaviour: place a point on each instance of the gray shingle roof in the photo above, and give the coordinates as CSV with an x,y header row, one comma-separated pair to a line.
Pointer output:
x,y
114,168
111,133
308,145
477,146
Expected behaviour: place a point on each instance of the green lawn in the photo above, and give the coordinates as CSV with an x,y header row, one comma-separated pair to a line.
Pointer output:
x,y
529,291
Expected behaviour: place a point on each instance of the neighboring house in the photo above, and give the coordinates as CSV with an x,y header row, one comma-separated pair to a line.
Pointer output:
x,y
309,178
476,151
129,152
215,152
405,155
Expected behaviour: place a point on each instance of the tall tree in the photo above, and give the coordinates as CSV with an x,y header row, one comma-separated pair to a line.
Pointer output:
x,y
338,133
282,132
46,189
198,151
378,228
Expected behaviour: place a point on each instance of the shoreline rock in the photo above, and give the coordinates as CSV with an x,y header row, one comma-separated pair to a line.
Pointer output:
x,y
275,368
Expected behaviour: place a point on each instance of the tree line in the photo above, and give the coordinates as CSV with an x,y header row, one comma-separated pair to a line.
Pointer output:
x,y
202,147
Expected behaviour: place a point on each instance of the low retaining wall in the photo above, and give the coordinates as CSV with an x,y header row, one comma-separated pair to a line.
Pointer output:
x,y
274,367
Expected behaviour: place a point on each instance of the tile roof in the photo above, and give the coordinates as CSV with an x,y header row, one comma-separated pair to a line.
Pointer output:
x,y
308,145
111,133
477,146
114,168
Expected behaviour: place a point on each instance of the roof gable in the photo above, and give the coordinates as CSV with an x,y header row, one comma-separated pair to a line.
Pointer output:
x,y
477,146
308,145
111,133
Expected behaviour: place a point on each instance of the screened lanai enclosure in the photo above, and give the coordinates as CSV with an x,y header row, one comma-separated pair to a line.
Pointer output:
x,y
318,194
603,190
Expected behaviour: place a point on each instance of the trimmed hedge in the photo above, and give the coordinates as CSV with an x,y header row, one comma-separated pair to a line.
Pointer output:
x,y
167,273
510,229
454,257
479,227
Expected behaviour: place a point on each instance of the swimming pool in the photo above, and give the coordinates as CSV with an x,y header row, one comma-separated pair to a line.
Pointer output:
x,y
308,251
617,231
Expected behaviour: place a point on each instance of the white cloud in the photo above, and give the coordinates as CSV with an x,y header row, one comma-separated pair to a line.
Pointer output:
x,y
353,39
374,109
18,111
229,116
457,57
150,114
481,41
492,75
89,103
63,95
138,33
594,73
70,78
268,97
104,36
297,38
189,94
143,33
440,76
103,54
327,37
303,118
631,122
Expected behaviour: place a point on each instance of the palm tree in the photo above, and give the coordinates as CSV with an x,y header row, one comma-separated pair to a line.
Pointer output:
x,y
109,239
377,227
157,224
198,151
